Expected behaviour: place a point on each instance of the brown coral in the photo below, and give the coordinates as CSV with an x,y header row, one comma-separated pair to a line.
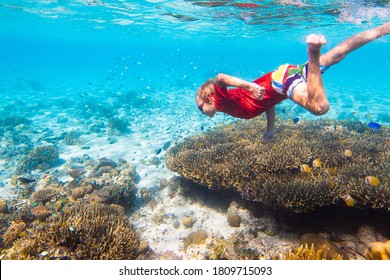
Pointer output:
x,y
83,232
45,195
14,232
235,157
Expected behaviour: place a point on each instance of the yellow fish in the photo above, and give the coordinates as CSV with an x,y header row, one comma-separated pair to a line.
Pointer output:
x,y
331,171
368,116
349,200
331,184
317,163
372,180
305,168
348,153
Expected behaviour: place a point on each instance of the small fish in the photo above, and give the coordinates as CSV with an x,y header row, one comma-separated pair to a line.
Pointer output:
x,y
44,253
71,229
35,204
331,171
372,180
25,180
284,110
158,151
348,153
317,163
349,200
374,125
295,120
368,116
331,184
305,168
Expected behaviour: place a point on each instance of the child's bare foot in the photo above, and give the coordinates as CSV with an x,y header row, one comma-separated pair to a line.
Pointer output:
x,y
315,42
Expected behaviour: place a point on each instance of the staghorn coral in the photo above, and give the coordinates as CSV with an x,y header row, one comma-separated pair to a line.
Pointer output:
x,y
235,157
84,232
378,251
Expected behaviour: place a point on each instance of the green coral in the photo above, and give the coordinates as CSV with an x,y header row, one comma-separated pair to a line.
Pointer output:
x,y
235,157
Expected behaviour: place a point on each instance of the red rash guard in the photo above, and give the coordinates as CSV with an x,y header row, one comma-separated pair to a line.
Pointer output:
x,y
240,103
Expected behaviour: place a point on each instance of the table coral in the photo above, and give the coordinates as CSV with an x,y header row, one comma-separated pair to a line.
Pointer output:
x,y
235,157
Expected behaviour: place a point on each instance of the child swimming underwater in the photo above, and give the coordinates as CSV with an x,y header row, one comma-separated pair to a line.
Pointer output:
x,y
301,83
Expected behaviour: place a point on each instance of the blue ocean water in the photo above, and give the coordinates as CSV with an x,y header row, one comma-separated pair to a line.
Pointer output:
x,y
106,48
90,65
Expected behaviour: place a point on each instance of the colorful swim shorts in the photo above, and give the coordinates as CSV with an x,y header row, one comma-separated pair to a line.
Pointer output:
x,y
288,76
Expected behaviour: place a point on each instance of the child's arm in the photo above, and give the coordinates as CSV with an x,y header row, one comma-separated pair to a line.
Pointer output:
x,y
270,133
223,80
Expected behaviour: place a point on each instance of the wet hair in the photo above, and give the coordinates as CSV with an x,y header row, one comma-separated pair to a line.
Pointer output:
x,y
200,94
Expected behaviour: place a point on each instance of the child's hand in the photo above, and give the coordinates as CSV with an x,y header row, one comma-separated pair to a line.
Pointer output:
x,y
256,90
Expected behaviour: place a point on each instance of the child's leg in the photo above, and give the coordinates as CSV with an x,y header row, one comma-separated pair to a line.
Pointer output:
x,y
311,95
336,54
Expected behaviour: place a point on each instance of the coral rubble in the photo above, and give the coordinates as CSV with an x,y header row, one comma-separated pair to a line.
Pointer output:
x,y
235,157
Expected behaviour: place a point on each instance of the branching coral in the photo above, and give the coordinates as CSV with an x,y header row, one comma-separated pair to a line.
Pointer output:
x,y
308,253
84,232
309,165
378,251
40,155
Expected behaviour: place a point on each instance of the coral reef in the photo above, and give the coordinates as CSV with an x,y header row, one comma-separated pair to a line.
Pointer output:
x,y
117,126
308,253
45,195
84,232
39,155
304,168
72,138
378,251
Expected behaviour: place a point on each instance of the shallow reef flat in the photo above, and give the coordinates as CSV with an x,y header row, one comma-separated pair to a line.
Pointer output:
x,y
98,208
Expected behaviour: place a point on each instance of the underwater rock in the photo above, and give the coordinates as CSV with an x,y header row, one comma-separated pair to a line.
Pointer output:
x,y
76,172
235,157
188,222
233,218
78,193
365,236
99,196
195,238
